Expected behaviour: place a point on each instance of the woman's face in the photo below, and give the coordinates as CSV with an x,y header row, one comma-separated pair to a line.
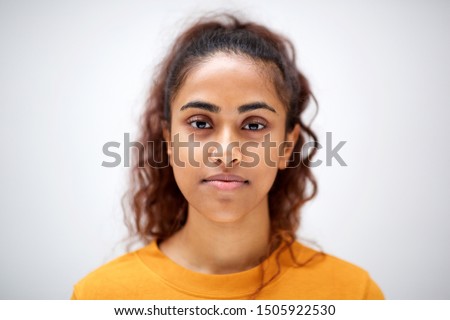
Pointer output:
x,y
227,130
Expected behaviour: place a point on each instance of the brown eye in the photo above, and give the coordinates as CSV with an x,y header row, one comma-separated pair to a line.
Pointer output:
x,y
198,124
254,126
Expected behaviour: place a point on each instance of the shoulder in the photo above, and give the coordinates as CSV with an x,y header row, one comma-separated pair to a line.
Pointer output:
x,y
112,279
331,277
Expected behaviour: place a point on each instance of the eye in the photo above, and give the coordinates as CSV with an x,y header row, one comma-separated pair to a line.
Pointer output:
x,y
254,126
199,124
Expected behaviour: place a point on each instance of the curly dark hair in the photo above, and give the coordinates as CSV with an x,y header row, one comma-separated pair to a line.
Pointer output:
x,y
158,208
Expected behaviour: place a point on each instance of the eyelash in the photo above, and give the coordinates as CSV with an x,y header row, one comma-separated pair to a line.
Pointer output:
x,y
259,123
196,120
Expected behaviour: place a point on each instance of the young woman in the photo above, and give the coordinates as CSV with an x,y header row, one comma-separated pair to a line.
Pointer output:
x,y
219,182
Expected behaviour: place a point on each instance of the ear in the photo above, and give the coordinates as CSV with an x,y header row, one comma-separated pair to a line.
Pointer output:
x,y
288,147
167,139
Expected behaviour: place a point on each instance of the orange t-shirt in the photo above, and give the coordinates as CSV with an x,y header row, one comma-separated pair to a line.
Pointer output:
x,y
148,274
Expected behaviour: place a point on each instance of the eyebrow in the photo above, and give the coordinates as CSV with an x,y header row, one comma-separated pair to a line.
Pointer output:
x,y
216,109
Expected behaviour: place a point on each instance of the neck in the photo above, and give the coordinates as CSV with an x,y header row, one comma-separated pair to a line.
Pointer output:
x,y
213,247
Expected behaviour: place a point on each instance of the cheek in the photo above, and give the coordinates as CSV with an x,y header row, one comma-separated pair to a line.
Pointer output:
x,y
269,152
262,164
186,181
185,165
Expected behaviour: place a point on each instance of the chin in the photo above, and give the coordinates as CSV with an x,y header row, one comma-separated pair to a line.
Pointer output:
x,y
225,217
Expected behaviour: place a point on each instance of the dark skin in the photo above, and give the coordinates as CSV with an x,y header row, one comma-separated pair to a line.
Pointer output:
x,y
227,228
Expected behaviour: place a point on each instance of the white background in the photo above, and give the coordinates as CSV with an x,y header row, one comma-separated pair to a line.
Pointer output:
x,y
74,75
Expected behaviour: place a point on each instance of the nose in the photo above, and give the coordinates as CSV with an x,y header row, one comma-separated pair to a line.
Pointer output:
x,y
227,151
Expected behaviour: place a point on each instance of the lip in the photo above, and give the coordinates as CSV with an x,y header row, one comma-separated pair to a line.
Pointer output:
x,y
225,181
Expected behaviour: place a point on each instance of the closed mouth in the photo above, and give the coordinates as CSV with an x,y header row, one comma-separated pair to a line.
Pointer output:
x,y
225,182
225,178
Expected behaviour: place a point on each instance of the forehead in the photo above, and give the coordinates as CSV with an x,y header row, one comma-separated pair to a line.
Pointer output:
x,y
229,80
